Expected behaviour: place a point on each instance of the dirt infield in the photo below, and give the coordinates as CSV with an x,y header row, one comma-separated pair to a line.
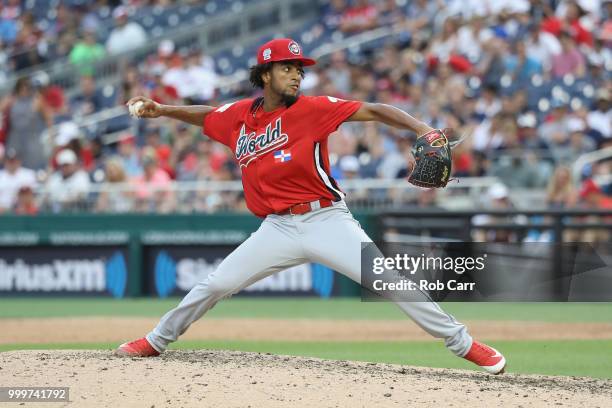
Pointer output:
x,y
238,379
100,329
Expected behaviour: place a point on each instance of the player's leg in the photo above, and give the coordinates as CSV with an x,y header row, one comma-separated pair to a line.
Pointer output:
x,y
333,237
272,248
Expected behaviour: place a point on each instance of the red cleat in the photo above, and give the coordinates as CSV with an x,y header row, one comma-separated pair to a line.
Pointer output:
x,y
486,357
137,348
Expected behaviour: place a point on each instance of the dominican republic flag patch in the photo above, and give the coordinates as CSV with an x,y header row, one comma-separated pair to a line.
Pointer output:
x,y
281,156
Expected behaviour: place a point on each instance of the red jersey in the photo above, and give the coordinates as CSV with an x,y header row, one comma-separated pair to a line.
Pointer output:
x,y
282,154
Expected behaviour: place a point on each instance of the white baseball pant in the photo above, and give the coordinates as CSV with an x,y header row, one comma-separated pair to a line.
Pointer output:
x,y
329,236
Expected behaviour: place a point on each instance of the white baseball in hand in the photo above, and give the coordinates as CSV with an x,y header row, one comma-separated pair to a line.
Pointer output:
x,y
137,108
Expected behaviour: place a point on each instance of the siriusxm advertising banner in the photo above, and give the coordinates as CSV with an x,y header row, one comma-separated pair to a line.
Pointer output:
x,y
174,270
63,270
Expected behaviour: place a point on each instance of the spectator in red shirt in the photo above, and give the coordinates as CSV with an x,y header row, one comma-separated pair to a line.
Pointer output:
x,y
360,17
571,23
164,59
593,197
160,92
152,189
26,202
462,160
52,95
162,150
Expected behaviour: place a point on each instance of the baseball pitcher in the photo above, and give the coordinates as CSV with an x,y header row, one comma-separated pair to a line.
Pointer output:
x,y
280,143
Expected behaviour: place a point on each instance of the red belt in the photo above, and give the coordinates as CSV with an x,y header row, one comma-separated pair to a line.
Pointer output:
x,y
304,208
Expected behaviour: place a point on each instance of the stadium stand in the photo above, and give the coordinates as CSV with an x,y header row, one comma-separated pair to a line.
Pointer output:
x,y
530,81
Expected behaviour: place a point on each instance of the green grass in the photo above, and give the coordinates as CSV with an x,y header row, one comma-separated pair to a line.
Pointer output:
x,y
313,308
579,357
563,357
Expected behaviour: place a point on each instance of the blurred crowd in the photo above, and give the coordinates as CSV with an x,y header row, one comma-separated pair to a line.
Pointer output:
x,y
34,32
528,80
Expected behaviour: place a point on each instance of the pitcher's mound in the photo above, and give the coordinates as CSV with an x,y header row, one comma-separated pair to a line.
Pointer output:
x,y
237,379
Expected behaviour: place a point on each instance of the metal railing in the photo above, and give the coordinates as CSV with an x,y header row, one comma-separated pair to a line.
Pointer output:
x,y
592,157
89,123
519,236
223,196
459,225
356,40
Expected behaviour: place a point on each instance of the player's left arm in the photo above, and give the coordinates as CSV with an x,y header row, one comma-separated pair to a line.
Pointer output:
x,y
389,115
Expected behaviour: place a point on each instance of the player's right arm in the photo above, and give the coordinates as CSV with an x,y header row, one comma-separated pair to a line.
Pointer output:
x,y
192,114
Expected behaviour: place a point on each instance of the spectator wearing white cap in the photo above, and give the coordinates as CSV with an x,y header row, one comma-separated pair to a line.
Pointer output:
x,y
528,132
349,165
177,77
159,92
66,132
202,78
12,178
126,35
67,188
158,63
165,48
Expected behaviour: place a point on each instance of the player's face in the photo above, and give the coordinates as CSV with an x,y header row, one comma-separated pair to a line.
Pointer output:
x,y
286,77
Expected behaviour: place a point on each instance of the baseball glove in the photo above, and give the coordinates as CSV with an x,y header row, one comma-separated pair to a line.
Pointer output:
x,y
432,160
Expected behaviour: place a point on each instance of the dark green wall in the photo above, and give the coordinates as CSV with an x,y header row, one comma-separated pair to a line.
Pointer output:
x,y
135,231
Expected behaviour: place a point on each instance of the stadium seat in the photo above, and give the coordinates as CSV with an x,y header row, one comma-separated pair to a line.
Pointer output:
x,y
148,22
173,20
237,51
211,7
588,91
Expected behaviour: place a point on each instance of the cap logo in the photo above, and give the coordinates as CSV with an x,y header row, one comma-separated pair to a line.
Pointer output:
x,y
267,54
294,48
